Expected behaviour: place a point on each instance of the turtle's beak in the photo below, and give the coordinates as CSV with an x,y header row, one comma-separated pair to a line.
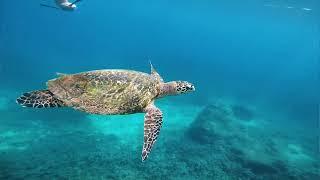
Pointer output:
x,y
191,88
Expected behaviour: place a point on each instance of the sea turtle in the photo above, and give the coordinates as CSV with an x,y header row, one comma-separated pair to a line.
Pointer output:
x,y
110,92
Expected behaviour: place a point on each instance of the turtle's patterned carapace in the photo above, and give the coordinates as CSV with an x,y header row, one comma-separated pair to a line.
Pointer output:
x,y
110,92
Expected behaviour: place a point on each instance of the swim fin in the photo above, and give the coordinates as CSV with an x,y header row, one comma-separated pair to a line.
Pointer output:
x,y
76,1
48,6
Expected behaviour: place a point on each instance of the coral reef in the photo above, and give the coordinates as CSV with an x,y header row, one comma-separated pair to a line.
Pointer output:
x,y
242,113
212,143
252,146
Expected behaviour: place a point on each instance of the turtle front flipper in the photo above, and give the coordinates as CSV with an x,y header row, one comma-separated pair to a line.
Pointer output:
x,y
39,99
152,126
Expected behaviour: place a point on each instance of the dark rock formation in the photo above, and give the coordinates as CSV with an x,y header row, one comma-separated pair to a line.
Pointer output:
x,y
249,151
206,127
242,113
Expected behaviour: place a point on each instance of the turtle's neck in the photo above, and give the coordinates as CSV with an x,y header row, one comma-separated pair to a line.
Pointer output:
x,y
167,89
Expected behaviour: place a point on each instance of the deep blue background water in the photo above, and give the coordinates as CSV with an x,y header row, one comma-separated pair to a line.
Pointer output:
x,y
242,49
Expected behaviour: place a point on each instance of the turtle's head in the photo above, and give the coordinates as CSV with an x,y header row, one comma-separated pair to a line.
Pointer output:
x,y
176,88
184,87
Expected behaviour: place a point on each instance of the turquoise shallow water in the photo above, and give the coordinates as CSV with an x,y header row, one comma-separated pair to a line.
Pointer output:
x,y
254,114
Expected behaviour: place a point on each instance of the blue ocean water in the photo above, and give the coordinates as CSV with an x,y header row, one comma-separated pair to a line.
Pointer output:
x,y
254,114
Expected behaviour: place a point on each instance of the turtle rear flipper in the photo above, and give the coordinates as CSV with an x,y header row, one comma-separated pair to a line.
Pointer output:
x,y
39,99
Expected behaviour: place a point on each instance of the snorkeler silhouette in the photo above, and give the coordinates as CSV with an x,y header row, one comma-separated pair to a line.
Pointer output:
x,y
63,4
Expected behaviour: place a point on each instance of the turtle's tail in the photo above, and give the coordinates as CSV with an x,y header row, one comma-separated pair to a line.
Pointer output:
x,y
39,99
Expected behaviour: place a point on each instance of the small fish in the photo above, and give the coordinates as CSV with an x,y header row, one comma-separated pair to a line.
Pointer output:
x,y
306,9
66,5
63,5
